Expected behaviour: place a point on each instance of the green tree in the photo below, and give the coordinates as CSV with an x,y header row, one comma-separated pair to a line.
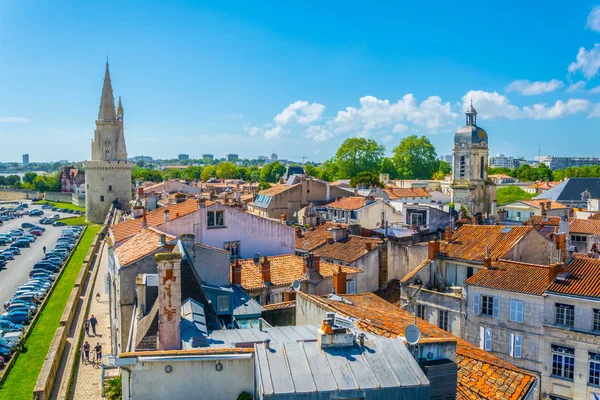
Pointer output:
x,y
357,155
415,158
264,185
255,175
387,167
191,173
208,172
40,184
271,172
499,171
509,194
444,169
172,173
2,180
311,170
226,170
13,181
329,171
369,179
29,177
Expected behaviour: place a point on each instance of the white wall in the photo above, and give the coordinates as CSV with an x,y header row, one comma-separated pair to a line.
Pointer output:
x,y
368,217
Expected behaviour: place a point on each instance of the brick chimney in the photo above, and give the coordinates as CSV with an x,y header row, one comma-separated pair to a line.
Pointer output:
x,y
369,246
317,264
549,205
339,281
298,232
311,265
543,208
433,249
236,272
487,263
169,300
448,234
166,214
282,218
265,270
144,220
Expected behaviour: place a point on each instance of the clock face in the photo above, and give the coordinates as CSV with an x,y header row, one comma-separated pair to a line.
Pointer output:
x,y
462,145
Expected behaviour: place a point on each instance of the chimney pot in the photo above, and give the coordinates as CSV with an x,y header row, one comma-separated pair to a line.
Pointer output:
x,y
448,234
339,281
487,263
163,239
236,272
201,202
265,270
433,249
169,298
282,218
543,208
166,214
299,232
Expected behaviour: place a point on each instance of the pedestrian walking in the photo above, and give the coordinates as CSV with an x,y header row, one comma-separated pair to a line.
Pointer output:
x,y
86,351
86,326
93,322
98,350
44,250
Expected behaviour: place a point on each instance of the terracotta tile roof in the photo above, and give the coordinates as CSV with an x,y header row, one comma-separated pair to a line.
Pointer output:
x,y
285,269
480,376
513,276
348,250
400,193
139,246
156,217
586,226
280,306
543,220
470,241
276,188
583,280
348,203
500,176
189,352
314,238
537,203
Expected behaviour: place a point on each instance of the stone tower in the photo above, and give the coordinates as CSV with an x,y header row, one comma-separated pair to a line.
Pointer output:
x,y
108,174
470,185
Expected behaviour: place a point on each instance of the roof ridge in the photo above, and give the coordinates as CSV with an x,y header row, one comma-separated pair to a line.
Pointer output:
x,y
504,260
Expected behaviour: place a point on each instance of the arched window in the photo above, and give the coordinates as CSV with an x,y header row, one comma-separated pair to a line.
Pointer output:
x,y
481,168
107,154
462,167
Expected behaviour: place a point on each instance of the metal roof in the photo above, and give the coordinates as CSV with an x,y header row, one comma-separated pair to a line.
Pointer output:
x,y
245,306
571,189
193,321
247,337
294,368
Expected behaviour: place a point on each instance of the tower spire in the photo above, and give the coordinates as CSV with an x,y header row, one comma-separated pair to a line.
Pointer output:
x,y
107,102
120,110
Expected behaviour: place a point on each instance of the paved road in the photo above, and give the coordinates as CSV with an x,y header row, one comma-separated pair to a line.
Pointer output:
x,y
16,271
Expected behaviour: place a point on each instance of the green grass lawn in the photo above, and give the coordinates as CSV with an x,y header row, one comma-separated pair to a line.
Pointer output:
x,y
74,220
22,378
59,204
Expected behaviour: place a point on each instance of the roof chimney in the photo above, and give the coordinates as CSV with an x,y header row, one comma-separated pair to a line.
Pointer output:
x,y
433,249
339,281
162,240
542,208
144,220
448,234
265,270
201,202
331,335
236,272
338,233
298,232
487,263
317,264
549,205
282,218
169,300
369,246
166,214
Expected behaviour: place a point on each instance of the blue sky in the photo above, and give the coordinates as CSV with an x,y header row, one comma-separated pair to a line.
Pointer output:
x,y
298,78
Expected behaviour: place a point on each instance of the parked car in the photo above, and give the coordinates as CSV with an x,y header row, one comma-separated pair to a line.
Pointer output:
x,y
36,232
26,225
47,205
41,228
42,274
8,344
21,244
14,250
16,233
14,336
58,223
8,326
9,255
31,297
5,352
16,317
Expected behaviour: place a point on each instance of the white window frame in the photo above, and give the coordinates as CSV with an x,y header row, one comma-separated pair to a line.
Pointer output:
x,y
594,361
215,225
276,298
229,246
485,338
476,304
421,311
350,286
516,345
517,310
220,298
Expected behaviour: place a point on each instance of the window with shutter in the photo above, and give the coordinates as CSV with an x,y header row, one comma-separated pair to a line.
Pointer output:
x,y
475,304
496,313
488,339
350,287
516,311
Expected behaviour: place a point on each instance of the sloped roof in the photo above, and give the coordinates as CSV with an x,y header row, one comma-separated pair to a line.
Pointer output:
x,y
314,238
586,226
481,375
348,250
348,203
275,189
399,193
513,276
543,220
537,203
470,241
285,269
571,189
139,246
583,279
156,217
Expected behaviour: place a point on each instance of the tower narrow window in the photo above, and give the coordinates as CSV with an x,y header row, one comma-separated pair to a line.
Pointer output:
x,y
481,168
461,167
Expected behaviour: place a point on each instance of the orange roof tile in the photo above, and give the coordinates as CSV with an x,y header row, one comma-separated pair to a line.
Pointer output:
x,y
280,306
285,269
583,280
470,241
276,188
348,203
139,246
537,203
399,193
156,217
513,276
314,238
481,375
543,220
348,250
586,226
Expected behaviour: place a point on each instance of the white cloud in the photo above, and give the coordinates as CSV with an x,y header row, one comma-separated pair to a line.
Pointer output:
x,y
576,87
275,132
387,138
399,128
529,88
595,113
595,90
252,130
16,120
318,133
492,105
301,112
593,21
587,61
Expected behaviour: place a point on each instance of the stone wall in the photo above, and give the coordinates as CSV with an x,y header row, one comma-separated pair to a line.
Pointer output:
x,y
43,387
402,259
18,194
78,200
106,182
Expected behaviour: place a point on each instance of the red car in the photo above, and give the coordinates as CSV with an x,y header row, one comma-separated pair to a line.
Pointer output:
x,y
36,232
1,362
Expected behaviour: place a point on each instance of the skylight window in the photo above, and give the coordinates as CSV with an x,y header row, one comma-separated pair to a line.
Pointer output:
x,y
506,230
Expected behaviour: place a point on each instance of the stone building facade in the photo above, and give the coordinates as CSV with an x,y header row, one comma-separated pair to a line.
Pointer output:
x,y
107,174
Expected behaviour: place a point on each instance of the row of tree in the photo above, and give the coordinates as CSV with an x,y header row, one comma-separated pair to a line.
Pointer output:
x,y
543,172
33,181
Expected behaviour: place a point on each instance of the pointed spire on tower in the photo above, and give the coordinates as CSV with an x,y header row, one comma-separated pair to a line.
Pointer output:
x,y
120,110
107,102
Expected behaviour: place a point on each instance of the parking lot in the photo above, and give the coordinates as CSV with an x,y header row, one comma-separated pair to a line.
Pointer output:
x,y
16,271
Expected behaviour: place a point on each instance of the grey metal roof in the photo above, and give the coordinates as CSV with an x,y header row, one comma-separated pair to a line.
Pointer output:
x,y
571,189
302,367
193,321
282,334
245,306
471,134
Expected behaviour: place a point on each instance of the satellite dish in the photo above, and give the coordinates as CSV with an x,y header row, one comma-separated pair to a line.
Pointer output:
x,y
412,334
378,225
296,285
257,259
295,213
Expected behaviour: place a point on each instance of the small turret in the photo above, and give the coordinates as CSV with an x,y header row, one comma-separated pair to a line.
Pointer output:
x,y
120,110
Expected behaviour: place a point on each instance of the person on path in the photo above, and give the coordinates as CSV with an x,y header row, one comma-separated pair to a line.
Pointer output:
x,y
94,322
86,326
44,250
98,350
86,350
